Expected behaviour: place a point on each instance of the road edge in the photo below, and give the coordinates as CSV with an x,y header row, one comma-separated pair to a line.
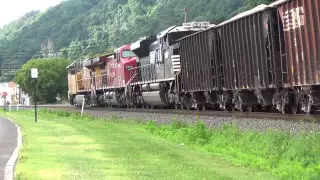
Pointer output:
x,y
10,166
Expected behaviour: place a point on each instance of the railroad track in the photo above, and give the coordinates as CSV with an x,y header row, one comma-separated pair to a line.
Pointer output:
x,y
253,121
258,115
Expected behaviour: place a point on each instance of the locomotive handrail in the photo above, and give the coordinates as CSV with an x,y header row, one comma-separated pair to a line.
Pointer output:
x,y
138,67
131,79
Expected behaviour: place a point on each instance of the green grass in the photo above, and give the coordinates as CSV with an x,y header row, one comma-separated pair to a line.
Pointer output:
x,y
285,155
65,146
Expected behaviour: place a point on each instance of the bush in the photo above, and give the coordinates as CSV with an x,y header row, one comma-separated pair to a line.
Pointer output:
x,y
51,81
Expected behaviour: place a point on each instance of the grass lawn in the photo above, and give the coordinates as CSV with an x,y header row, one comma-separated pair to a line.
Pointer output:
x,y
84,148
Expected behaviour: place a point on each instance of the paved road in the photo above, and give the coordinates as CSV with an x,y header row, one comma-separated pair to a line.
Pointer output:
x,y
8,142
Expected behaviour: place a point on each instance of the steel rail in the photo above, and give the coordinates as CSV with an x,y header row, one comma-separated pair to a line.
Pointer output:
x,y
259,115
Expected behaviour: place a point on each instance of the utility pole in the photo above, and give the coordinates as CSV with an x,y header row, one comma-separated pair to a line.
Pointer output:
x,y
34,75
186,10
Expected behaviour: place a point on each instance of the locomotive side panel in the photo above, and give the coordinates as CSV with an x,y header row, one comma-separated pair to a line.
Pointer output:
x,y
301,26
248,55
72,84
100,74
72,87
114,74
199,62
86,80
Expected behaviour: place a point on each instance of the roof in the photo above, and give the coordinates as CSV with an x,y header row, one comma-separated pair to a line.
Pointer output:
x,y
260,8
183,28
137,44
71,64
279,2
163,33
194,34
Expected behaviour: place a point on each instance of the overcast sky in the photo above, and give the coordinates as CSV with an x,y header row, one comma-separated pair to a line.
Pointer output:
x,y
12,9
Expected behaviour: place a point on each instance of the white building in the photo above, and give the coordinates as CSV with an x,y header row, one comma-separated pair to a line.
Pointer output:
x,y
14,95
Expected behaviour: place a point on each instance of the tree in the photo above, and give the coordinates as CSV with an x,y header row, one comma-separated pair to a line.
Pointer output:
x,y
51,81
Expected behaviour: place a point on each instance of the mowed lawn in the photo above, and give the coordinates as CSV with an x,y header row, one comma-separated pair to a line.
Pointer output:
x,y
84,148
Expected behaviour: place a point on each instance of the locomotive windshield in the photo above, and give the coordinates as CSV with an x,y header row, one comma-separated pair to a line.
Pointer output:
x,y
127,54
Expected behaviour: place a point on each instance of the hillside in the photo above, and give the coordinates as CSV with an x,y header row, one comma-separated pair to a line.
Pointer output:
x,y
80,27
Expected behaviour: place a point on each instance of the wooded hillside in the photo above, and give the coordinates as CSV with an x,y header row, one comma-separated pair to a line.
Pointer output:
x,y
77,28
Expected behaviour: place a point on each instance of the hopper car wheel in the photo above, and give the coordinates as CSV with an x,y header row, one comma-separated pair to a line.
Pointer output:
x,y
294,109
233,108
251,108
176,106
203,107
230,108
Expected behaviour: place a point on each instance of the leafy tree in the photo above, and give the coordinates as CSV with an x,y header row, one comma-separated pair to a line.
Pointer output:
x,y
51,81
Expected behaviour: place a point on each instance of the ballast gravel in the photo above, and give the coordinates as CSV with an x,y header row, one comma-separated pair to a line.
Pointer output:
x,y
252,124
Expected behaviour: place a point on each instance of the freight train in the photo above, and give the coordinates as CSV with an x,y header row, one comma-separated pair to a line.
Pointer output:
x,y
265,58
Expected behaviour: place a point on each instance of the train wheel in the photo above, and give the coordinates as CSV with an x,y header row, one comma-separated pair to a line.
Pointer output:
x,y
176,106
203,107
294,109
251,108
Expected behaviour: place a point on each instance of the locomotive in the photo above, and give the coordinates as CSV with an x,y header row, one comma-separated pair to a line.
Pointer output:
x,y
267,57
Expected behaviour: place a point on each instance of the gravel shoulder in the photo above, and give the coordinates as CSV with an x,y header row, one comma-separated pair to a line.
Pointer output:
x,y
252,124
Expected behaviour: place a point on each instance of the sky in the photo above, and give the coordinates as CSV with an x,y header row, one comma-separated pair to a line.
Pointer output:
x,y
13,9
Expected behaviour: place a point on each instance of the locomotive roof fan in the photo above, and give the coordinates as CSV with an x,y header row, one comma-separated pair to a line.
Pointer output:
x,y
204,24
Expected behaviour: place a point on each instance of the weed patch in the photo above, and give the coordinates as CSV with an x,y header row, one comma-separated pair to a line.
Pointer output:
x,y
286,155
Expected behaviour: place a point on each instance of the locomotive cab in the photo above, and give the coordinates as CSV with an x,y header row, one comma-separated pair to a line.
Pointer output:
x,y
127,60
